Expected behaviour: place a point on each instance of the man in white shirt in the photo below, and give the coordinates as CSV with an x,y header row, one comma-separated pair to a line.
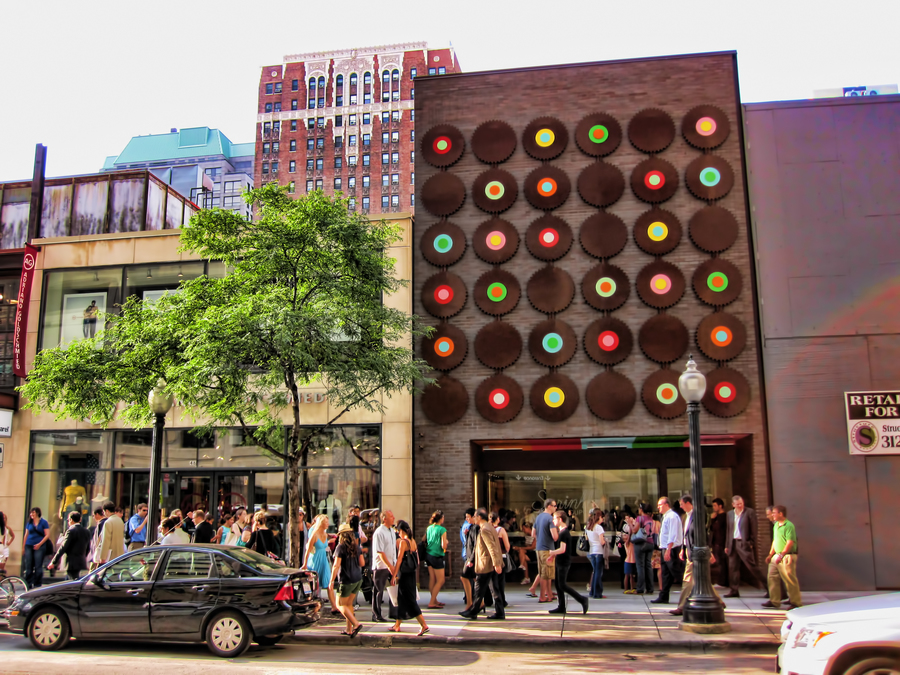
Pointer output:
x,y
172,534
384,557
671,537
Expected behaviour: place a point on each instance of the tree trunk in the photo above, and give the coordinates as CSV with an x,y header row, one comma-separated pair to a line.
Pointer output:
x,y
294,537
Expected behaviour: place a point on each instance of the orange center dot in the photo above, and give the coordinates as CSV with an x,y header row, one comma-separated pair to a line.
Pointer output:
x,y
606,287
495,189
717,281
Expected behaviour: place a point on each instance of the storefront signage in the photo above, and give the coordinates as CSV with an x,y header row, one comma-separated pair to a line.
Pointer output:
x,y
23,304
873,422
6,420
311,397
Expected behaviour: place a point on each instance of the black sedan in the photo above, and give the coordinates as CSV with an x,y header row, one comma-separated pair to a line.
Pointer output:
x,y
226,596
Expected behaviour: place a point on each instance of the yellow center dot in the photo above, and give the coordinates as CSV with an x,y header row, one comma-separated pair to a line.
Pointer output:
x,y
495,240
660,283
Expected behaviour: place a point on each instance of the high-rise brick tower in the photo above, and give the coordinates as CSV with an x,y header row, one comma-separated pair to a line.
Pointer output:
x,y
344,121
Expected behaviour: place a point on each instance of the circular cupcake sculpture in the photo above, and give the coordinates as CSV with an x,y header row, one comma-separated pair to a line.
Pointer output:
x,y
552,343
654,180
663,338
651,130
494,191
445,401
657,232
713,229
608,341
443,194
661,396
494,142
598,135
709,177
610,396
499,398
727,392
498,345
554,397
495,241
660,284
548,238
545,138
705,127
717,282
443,145
601,184
446,348
443,295
721,336
550,290
547,187
603,235
443,244
605,287
497,292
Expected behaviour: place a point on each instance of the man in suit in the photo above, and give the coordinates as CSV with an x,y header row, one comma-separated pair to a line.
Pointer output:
x,y
488,564
687,583
112,538
740,546
75,544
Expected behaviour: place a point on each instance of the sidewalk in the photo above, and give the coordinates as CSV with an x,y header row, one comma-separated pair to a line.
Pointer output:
x,y
618,621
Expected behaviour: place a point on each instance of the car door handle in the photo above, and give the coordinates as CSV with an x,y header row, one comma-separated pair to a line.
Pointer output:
x,y
134,591
199,589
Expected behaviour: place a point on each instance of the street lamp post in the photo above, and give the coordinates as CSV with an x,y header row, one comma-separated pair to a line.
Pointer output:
x,y
704,611
160,404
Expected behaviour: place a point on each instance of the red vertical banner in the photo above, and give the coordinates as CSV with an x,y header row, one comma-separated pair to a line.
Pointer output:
x,y
24,302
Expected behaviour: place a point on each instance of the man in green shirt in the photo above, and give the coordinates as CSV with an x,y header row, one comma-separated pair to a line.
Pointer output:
x,y
782,561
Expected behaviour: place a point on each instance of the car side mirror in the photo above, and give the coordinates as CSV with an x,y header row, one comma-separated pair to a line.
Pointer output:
x,y
100,582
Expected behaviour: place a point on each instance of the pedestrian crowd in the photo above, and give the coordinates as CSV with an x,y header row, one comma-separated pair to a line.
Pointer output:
x,y
368,556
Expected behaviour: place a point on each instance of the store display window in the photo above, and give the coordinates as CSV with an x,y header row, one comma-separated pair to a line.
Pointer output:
x,y
524,492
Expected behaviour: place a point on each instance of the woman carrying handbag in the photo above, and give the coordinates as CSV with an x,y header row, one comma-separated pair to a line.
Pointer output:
x,y
404,577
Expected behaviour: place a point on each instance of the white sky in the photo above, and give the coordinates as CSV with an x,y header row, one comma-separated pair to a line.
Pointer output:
x,y
84,77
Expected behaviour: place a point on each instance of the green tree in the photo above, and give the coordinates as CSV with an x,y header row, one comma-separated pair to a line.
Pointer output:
x,y
301,303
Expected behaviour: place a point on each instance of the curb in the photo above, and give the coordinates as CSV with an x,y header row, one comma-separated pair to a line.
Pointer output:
x,y
387,641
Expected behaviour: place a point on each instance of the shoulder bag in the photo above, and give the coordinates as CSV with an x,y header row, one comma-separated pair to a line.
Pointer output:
x,y
584,543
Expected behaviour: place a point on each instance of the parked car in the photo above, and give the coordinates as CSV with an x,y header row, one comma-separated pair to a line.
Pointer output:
x,y
226,596
860,636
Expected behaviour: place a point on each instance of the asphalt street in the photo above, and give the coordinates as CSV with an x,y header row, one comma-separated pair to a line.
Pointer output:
x,y
93,658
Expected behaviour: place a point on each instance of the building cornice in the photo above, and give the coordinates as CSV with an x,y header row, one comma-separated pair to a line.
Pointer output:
x,y
353,53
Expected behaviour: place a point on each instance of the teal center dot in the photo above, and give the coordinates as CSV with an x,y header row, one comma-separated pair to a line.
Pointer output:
x,y
657,231
545,137
546,186
721,336
554,397
443,346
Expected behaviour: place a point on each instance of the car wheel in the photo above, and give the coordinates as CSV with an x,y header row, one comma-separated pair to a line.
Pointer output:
x,y
48,629
878,665
268,640
228,635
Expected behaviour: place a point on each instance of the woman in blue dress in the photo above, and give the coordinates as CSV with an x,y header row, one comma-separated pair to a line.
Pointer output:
x,y
316,558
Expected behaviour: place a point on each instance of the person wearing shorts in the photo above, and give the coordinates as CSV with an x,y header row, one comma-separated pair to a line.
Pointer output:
x,y
347,570
435,552
546,535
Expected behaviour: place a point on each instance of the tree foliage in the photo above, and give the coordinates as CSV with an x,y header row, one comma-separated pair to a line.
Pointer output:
x,y
300,304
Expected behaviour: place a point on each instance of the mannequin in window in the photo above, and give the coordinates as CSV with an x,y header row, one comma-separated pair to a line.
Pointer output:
x,y
72,492
89,325
78,506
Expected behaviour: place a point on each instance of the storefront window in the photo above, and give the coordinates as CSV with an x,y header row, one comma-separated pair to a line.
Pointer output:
x,y
222,448
151,282
71,450
334,491
716,483
9,291
74,300
57,493
348,445
524,492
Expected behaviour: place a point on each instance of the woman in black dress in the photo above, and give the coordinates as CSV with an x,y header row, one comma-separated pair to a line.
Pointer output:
x,y
404,576
261,539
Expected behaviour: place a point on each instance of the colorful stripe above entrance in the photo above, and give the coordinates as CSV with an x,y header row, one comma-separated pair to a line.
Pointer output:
x,y
627,442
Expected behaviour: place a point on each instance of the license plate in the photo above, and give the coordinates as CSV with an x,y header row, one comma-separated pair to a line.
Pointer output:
x,y
307,589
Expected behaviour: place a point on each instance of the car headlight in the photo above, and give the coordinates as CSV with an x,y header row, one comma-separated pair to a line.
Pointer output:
x,y
810,637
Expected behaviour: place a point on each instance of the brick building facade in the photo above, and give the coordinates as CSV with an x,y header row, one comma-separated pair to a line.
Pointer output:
x,y
462,458
343,122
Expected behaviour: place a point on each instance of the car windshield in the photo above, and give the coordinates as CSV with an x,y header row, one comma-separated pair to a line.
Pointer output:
x,y
255,560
